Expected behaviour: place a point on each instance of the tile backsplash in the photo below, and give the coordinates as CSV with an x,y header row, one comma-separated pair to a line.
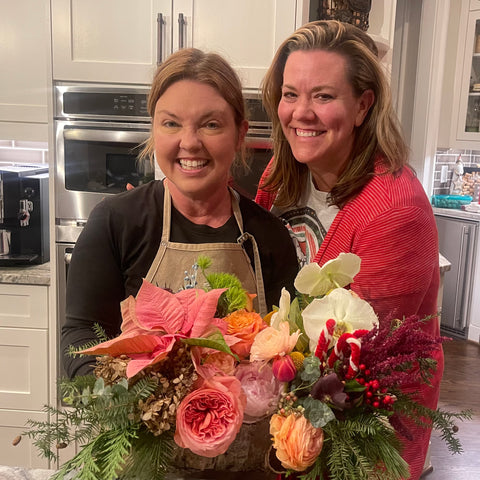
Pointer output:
x,y
447,158
21,152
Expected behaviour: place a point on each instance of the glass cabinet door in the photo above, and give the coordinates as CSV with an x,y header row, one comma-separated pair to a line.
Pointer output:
x,y
468,126
472,120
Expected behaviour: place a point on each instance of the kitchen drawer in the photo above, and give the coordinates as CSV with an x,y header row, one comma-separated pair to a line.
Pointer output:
x,y
12,423
23,306
23,368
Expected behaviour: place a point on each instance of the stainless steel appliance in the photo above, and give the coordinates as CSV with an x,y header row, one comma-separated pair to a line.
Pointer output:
x,y
24,222
457,241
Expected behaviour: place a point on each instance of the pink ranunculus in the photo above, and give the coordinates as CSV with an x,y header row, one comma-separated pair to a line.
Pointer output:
x,y
221,361
272,342
209,418
262,389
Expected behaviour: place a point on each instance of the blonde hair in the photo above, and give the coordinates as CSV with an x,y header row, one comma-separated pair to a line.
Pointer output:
x,y
379,134
208,68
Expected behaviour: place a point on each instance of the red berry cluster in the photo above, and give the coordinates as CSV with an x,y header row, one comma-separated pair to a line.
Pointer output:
x,y
375,395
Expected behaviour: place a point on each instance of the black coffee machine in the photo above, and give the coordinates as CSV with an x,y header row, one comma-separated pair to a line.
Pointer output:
x,y
24,231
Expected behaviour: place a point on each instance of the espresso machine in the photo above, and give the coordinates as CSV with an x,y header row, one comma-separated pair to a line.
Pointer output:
x,y
24,230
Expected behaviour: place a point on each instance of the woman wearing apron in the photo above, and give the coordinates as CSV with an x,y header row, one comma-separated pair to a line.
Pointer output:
x,y
158,230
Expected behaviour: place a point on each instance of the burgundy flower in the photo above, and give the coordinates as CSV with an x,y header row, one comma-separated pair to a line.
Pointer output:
x,y
329,389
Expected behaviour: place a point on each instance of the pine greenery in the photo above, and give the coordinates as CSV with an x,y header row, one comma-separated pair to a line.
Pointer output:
x,y
105,421
439,419
359,448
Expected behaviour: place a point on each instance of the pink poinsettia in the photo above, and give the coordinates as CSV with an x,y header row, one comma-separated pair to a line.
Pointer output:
x,y
155,319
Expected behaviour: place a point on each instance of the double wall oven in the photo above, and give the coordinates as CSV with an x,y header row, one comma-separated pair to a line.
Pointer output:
x,y
99,132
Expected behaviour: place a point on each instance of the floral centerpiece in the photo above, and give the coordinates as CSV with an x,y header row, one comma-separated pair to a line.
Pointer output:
x,y
190,368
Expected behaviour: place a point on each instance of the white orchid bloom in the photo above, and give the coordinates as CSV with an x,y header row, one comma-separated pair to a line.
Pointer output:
x,y
316,281
349,311
281,315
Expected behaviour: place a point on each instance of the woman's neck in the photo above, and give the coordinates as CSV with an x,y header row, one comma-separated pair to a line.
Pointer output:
x,y
214,211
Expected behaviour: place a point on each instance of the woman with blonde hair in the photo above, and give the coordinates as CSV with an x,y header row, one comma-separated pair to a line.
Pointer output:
x,y
341,182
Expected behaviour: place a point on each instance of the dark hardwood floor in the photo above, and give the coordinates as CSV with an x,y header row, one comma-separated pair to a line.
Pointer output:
x,y
460,389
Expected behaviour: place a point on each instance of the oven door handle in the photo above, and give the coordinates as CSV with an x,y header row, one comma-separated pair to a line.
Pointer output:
x,y
85,134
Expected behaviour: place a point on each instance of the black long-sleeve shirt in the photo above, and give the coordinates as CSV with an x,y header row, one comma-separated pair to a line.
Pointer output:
x,y
119,243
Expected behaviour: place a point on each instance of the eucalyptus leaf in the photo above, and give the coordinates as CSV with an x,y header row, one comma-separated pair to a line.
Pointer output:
x,y
317,412
311,369
99,386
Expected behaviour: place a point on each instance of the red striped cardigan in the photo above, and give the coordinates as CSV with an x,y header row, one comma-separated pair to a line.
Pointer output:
x,y
391,227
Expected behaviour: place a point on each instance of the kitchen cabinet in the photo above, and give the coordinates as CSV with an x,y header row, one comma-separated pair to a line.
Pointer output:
x,y
24,369
122,41
457,241
24,57
474,4
460,106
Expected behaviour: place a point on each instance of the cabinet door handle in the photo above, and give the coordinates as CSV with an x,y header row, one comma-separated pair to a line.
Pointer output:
x,y
160,24
181,30
460,310
68,258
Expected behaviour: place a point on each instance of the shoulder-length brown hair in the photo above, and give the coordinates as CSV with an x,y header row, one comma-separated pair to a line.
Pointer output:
x,y
379,134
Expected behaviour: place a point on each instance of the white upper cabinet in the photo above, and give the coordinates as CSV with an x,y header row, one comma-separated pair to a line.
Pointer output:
x,y
474,4
24,42
464,80
122,41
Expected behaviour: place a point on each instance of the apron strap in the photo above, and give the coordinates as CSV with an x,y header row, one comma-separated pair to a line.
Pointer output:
x,y
262,302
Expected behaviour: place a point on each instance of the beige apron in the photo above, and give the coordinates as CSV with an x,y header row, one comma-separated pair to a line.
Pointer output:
x,y
174,260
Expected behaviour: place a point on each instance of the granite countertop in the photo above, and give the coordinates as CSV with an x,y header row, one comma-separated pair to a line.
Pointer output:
x,y
17,473
26,275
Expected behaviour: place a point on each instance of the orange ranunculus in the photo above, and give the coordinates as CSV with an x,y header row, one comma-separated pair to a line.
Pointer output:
x,y
244,326
297,442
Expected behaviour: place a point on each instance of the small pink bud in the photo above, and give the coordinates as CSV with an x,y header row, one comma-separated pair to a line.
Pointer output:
x,y
284,368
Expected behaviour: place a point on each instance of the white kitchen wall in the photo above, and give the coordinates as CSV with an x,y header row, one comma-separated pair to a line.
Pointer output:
x,y
22,152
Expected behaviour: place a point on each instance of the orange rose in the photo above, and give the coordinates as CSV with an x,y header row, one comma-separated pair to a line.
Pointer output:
x,y
244,326
297,442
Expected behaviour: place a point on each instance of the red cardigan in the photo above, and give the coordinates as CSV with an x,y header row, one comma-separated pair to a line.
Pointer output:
x,y
391,227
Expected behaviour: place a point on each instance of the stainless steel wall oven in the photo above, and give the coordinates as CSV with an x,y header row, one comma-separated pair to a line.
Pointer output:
x,y
99,130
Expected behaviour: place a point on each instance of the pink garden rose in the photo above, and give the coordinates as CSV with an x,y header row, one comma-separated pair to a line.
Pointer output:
x,y
262,389
209,418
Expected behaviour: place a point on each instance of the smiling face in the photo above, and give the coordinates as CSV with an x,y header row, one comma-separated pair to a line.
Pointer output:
x,y
195,139
319,111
